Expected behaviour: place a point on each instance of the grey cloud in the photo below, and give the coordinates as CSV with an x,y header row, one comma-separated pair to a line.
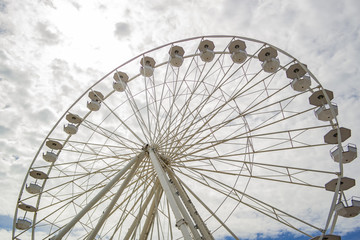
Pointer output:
x,y
2,6
11,74
45,115
7,149
48,3
60,68
47,34
6,25
122,30
3,55
76,5
4,130
102,7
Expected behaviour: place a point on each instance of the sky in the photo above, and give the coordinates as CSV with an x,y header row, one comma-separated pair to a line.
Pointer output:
x,y
51,51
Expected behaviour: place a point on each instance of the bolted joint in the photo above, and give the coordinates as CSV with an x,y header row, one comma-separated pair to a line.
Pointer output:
x,y
180,222
145,148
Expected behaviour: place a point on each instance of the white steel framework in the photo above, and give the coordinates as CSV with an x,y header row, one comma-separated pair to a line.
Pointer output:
x,y
211,133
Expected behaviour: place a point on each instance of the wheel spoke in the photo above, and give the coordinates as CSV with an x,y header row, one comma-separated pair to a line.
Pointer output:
x,y
226,130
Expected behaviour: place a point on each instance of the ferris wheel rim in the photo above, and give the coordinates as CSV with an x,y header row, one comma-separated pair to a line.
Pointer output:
x,y
143,54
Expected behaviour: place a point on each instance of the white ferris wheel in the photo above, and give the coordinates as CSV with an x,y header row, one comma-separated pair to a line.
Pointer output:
x,y
211,134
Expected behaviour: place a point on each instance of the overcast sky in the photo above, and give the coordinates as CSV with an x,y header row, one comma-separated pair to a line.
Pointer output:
x,y
51,51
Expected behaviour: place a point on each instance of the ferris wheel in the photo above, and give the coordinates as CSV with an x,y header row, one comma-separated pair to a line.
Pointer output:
x,y
195,139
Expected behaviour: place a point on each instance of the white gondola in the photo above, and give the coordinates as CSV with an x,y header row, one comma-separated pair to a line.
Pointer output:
x,y
23,223
345,184
27,207
38,174
120,82
73,118
318,98
301,84
327,237
206,48
332,136
54,145
296,71
147,66
119,86
121,76
93,105
33,188
96,96
324,112
348,154
237,50
348,211
50,157
269,61
176,56
70,129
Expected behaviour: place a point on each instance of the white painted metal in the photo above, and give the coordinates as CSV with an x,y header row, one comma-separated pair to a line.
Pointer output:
x,y
23,224
187,219
141,212
121,76
176,56
114,199
93,105
53,144
192,113
211,212
151,215
164,181
348,211
103,191
73,118
38,174
301,84
27,207
191,208
119,86
70,129
271,65
33,188
49,156
206,48
96,96
323,113
348,153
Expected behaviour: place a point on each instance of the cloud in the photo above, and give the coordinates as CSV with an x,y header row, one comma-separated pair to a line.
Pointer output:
x,y
122,30
2,6
5,234
4,131
76,5
60,69
48,3
38,85
47,34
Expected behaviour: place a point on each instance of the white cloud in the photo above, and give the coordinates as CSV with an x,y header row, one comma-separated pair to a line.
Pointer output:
x,y
47,34
51,52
